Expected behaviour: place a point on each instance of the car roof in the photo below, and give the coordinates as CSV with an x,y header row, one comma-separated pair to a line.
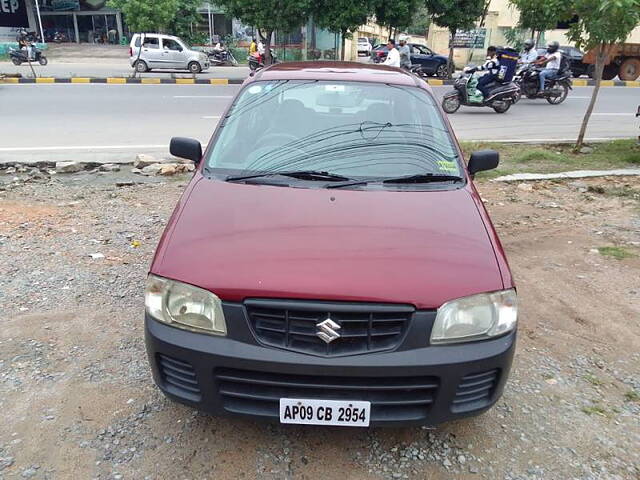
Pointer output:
x,y
338,71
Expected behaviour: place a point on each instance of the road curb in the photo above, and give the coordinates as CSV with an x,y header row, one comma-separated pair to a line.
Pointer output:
x,y
434,82
125,80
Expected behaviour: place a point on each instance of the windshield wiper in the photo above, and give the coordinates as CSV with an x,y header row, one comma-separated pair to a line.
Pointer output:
x,y
299,174
424,178
419,178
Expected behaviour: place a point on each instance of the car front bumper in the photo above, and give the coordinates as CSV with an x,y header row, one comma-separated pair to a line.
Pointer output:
x,y
423,386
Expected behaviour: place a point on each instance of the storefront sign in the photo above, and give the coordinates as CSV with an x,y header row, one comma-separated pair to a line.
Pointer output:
x,y
13,13
65,5
470,38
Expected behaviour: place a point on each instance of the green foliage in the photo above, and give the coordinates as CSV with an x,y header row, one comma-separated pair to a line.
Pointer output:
x,y
397,14
541,15
186,15
456,14
342,16
147,15
515,37
619,253
269,15
602,22
420,22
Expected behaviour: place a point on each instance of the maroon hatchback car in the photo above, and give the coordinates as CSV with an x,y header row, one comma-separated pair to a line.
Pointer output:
x,y
331,262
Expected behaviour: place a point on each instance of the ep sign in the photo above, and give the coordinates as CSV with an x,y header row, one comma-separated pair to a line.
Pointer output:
x,y
13,13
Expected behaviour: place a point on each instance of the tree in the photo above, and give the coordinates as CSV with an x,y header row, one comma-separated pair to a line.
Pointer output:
x,y
601,25
342,16
147,15
541,15
268,16
396,15
420,22
455,15
187,15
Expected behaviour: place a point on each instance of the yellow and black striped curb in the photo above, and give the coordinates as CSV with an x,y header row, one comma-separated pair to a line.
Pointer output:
x,y
125,80
435,82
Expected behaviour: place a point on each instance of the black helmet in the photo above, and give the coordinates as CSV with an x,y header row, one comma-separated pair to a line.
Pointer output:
x,y
528,44
553,47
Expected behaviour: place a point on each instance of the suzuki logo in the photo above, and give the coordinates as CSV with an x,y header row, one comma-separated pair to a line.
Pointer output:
x,y
327,330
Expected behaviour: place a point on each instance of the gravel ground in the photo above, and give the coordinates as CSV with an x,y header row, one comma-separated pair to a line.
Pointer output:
x,y
77,400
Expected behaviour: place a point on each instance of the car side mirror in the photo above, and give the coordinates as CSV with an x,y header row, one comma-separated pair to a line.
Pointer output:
x,y
483,160
187,148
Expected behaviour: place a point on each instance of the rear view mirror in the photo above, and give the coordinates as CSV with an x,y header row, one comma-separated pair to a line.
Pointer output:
x,y
483,160
187,148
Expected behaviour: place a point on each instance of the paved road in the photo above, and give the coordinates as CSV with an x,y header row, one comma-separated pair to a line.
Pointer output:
x,y
113,122
114,69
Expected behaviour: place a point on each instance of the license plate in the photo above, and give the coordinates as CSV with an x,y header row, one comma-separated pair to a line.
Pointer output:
x,y
325,412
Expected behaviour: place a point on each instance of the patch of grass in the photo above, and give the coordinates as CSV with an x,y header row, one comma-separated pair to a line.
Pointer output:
x,y
552,158
619,253
595,410
632,396
593,380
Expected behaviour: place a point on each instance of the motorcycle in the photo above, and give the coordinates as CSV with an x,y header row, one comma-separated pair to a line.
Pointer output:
x,y
500,98
555,90
256,61
222,57
19,56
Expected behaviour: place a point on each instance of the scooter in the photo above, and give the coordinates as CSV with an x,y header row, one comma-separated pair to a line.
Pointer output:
x,y
19,56
500,97
256,61
222,57
555,90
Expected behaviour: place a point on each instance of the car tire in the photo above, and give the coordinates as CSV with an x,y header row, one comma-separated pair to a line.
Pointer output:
x,y
442,71
194,67
630,69
141,66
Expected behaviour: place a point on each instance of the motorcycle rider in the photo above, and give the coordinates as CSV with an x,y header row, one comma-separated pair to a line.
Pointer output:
x,y
491,66
529,54
551,62
24,42
405,53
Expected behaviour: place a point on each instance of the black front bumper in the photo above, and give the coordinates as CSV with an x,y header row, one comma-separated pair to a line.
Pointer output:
x,y
237,375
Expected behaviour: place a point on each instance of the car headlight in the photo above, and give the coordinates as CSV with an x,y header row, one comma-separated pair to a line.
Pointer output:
x,y
476,317
184,306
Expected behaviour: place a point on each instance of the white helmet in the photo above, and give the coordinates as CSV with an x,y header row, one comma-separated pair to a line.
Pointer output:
x,y
403,38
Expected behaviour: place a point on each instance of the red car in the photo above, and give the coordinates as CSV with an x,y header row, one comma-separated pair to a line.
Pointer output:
x,y
331,262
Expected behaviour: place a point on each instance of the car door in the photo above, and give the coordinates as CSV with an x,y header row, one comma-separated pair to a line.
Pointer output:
x,y
151,51
173,53
423,56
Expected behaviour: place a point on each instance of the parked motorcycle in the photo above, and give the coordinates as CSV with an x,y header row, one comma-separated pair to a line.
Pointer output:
x,y
500,98
555,90
222,57
256,61
19,56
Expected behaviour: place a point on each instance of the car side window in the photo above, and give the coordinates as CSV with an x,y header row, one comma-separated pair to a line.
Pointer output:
x,y
171,44
151,42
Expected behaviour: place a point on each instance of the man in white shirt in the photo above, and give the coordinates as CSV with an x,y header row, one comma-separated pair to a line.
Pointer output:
x,y
393,56
552,63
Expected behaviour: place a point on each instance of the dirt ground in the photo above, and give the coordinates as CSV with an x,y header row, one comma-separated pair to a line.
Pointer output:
x,y
77,400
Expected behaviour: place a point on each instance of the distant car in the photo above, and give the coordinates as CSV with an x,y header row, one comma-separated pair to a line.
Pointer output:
x,y
431,63
161,51
364,46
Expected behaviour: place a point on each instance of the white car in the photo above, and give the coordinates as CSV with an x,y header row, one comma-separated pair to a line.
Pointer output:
x,y
364,46
165,52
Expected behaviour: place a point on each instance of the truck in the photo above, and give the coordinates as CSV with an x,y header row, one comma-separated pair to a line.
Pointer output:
x,y
623,61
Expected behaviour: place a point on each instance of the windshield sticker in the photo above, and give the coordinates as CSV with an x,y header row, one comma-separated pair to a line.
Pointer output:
x,y
447,166
334,88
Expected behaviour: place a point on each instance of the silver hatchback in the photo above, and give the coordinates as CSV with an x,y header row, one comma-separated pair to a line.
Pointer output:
x,y
161,51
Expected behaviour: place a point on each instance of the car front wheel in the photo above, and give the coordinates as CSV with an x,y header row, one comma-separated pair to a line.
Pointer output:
x,y
194,67
442,71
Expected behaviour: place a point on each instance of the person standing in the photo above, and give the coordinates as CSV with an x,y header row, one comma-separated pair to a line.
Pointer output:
x,y
405,53
393,56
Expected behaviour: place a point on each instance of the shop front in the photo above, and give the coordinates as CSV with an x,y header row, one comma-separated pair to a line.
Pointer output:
x,y
80,21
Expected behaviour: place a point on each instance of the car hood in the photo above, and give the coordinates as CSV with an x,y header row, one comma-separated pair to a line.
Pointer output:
x,y
239,241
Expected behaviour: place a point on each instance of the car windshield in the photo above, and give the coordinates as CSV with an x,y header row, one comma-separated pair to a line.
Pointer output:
x,y
356,130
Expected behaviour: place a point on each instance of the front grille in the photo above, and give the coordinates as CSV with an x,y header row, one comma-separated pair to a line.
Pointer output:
x,y
292,325
179,378
475,391
392,398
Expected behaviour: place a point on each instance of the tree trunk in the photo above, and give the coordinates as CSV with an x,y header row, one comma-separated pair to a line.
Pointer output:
x,y
451,67
342,43
267,48
601,57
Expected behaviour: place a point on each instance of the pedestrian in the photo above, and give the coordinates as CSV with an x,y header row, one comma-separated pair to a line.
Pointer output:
x,y
405,53
393,56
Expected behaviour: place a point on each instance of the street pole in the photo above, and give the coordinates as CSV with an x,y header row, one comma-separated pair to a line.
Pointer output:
x,y
209,17
40,22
